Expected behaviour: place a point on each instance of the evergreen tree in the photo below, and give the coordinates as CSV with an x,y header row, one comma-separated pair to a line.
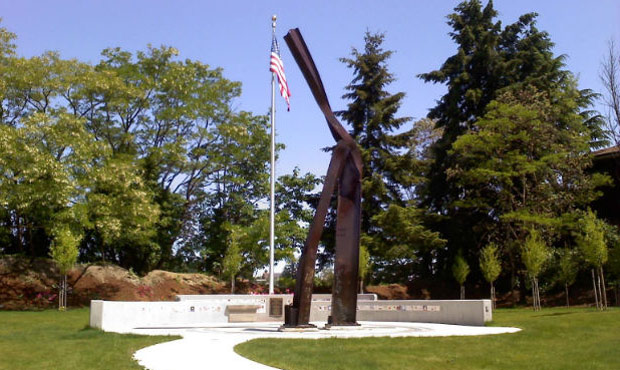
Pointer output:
x,y
402,240
490,58
389,161
371,113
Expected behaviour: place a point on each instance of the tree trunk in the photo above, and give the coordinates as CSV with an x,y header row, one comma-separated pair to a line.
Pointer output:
x,y
232,285
604,288
566,293
595,293
533,294
30,243
462,291
493,296
537,294
361,286
600,292
62,293
64,300
20,236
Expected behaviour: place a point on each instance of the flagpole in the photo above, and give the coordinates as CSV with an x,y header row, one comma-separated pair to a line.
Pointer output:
x,y
273,169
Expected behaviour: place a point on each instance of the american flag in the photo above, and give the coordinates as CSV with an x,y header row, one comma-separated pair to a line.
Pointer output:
x,y
277,67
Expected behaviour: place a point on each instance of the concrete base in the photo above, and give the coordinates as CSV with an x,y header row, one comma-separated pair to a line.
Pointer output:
x,y
298,329
343,327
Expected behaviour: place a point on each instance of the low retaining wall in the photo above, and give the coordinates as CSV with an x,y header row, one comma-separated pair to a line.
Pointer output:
x,y
456,312
217,297
213,309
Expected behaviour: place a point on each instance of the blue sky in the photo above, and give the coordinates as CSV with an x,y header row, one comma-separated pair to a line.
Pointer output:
x,y
236,36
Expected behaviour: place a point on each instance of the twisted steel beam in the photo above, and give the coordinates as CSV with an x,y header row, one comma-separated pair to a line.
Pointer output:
x,y
345,173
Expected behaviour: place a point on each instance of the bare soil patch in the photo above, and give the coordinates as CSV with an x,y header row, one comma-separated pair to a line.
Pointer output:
x,y
26,284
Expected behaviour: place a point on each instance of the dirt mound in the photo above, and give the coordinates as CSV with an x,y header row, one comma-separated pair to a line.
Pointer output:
x,y
392,291
26,284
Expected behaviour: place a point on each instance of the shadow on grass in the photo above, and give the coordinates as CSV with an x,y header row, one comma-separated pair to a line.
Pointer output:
x,y
555,314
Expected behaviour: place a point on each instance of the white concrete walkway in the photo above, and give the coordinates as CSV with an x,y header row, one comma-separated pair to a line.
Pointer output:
x,y
211,347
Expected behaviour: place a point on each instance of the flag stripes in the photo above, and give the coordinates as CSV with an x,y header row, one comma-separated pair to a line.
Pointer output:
x,y
277,67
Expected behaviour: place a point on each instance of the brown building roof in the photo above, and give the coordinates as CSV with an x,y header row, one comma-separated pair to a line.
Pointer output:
x,y
610,152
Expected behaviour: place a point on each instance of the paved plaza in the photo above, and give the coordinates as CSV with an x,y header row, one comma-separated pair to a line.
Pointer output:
x,y
211,347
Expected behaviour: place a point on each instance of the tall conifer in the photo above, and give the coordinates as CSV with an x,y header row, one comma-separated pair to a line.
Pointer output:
x,y
372,115
489,59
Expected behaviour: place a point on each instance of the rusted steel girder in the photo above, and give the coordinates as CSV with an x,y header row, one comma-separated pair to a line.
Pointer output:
x,y
345,171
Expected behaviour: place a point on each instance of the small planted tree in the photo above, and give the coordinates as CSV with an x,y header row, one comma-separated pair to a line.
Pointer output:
x,y
64,251
460,270
490,266
364,266
231,264
534,254
590,239
567,271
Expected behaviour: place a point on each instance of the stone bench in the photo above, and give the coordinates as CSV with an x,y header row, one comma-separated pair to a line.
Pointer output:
x,y
242,312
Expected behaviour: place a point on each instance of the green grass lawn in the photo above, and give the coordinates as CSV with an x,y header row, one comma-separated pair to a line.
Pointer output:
x,y
63,340
552,339
555,338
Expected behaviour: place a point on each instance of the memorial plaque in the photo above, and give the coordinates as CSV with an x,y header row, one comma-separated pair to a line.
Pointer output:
x,y
275,307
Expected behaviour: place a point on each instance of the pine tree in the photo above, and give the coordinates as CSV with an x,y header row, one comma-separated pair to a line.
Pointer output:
x,y
372,115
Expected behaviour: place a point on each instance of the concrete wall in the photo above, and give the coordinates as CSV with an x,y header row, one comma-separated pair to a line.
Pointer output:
x,y
195,310
209,310
315,297
457,312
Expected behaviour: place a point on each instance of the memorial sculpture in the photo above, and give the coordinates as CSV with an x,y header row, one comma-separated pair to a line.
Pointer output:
x,y
344,175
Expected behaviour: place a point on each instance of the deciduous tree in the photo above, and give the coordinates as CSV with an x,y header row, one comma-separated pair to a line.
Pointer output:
x,y
491,266
524,164
64,251
590,239
567,271
460,270
534,255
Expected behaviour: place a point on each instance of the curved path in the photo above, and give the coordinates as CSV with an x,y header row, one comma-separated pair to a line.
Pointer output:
x,y
211,347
